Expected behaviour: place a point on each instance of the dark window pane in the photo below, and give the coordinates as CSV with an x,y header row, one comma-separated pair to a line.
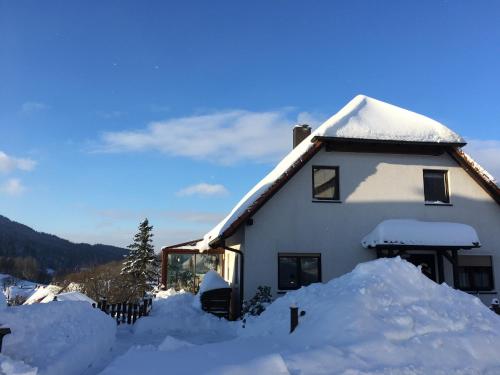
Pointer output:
x,y
325,183
435,186
309,270
288,278
463,280
481,279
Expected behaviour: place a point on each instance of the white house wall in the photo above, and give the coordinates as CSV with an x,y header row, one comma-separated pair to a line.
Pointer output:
x,y
373,187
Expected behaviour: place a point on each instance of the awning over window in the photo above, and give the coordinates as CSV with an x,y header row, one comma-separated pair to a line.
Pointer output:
x,y
405,233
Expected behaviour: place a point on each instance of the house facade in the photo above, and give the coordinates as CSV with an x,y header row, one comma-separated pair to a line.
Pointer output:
x,y
375,180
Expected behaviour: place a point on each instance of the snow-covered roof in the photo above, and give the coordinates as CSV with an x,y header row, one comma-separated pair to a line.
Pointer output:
x,y
74,296
411,232
371,119
361,118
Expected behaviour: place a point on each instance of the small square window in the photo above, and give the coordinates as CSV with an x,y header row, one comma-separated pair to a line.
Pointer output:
x,y
326,183
436,186
475,273
295,271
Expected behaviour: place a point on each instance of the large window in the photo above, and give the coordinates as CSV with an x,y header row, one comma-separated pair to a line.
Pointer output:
x,y
475,273
436,186
186,270
326,183
296,270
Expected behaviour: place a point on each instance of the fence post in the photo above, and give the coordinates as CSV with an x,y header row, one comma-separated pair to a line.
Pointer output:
x,y
118,310
134,315
294,317
129,313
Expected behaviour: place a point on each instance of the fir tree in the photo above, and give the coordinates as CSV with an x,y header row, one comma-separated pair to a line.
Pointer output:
x,y
141,264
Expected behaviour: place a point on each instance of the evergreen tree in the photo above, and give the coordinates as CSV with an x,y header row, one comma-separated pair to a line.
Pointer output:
x,y
141,264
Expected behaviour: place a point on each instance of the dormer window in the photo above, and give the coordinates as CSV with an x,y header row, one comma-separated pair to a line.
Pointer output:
x,y
326,183
436,187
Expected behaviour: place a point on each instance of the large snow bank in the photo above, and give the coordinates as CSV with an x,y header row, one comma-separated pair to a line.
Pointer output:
x,y
385,314
212,280
178,316
58,338
423,233
362,118
384,317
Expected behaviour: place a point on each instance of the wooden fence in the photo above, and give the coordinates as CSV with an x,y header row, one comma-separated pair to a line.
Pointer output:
x,y
125,313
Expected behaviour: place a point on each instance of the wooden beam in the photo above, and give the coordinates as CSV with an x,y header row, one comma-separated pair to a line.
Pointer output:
x,y
440,266
455,268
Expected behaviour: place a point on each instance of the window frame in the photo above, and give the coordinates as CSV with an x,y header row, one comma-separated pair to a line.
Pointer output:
x,y
298,257
470,271
445,173
336,198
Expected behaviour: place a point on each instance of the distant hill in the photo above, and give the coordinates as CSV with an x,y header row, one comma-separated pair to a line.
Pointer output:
x,y
18,240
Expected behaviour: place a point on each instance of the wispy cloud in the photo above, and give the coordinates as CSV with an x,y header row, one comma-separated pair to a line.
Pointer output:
x,y
13,186
110,114
224,137
203,189
486,153
29,107
10,163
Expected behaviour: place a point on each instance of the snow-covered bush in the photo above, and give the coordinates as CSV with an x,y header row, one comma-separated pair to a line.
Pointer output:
x,y
259,302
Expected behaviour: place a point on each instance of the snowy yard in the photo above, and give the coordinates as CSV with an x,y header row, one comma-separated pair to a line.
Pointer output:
x,y
385,317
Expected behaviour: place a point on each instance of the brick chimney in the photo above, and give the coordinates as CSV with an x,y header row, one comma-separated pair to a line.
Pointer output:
x,y
300,132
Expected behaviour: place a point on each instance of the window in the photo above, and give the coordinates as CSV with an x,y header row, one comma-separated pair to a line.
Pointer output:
x,y
296,270
475,273
326,183
436,186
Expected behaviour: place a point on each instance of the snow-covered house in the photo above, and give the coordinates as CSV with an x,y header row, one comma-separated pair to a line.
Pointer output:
x,y
374,180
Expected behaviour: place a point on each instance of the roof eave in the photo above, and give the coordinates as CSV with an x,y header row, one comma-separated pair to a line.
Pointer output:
x,y
385,141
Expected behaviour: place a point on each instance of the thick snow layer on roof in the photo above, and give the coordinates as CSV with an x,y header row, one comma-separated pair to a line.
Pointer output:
x,y
74,296
361,118
368,118
421,233
43,293
212,280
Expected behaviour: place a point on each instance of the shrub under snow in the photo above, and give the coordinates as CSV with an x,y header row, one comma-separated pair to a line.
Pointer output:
x,y
57,337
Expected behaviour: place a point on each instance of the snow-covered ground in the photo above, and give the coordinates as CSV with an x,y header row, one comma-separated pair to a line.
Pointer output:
x,y
384,317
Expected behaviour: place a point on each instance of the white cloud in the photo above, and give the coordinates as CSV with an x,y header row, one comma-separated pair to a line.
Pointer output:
x,y
486,153
30,107
203,189
224,137
10,163
13,186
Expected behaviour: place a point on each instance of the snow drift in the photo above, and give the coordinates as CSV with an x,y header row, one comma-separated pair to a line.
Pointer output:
x,y
385,314
57,337
385,317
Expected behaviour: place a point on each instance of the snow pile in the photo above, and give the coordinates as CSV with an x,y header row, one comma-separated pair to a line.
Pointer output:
x,y
383,315
57,338
178,316
361,118
171,343
3,302
43,293
212,280
424,233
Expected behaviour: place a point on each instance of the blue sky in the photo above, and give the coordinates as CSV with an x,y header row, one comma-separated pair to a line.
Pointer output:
x,y
112,111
